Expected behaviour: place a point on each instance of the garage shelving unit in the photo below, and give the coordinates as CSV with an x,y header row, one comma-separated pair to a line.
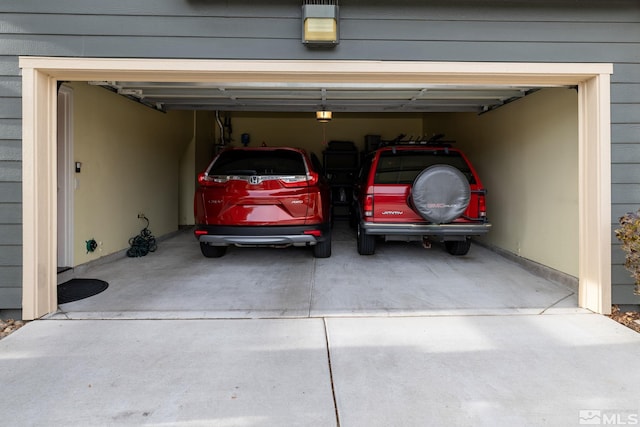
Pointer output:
x,y
340,160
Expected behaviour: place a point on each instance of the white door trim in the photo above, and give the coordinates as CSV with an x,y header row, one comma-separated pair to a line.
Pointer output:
x,y
40,74
66,177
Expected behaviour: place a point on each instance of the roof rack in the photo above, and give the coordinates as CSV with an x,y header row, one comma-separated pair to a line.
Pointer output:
x,y
433,141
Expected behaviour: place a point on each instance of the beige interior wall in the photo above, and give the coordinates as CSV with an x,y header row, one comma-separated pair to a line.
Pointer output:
x,y
526,154
206,139
304,131
195,159
130,157
187,183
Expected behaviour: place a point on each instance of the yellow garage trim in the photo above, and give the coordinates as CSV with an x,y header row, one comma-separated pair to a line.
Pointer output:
x,y
41,74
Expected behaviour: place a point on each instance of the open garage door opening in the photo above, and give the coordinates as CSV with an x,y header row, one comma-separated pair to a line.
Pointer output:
x,y
486,138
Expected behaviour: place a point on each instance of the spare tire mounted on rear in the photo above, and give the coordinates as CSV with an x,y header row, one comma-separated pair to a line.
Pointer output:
x,y
440,194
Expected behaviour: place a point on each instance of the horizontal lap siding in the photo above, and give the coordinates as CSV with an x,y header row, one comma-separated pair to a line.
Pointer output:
x,y
10,183
13,293
625,167
427,30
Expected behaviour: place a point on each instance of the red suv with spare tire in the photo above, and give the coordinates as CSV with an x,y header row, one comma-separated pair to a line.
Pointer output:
x,y
266,196
425,191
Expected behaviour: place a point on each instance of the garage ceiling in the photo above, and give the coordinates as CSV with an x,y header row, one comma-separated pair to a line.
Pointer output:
x,y
304,97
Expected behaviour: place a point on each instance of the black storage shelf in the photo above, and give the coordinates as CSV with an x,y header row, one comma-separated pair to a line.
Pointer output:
x,y
340,161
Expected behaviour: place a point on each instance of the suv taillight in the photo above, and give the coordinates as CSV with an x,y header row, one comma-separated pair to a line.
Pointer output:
x,y
309,179
482,207
368,205
206,180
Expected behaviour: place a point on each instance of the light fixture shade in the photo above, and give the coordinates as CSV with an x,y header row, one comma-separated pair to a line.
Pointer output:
x,y
323,116
320,24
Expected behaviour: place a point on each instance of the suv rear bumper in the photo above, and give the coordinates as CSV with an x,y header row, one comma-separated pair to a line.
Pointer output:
x,y
262,236
391,229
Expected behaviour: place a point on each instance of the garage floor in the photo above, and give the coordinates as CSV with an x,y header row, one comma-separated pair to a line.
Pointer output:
x,y
177,282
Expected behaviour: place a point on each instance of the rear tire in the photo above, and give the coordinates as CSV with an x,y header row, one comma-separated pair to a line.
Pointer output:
x,y
366,242
323,249
458,247
210,251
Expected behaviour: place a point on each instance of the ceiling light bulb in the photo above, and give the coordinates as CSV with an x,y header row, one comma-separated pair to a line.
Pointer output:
x,y
323,116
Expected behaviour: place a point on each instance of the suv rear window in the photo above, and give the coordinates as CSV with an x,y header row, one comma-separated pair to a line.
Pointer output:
x,y
403,166
276,162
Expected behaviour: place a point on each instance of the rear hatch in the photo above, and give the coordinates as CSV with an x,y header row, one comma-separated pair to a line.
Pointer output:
x,y
396,170
257,188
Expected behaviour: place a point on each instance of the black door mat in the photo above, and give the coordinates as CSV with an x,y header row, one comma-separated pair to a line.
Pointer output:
x,y
77,289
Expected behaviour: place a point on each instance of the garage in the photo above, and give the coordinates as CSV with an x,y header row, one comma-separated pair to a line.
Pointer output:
x,y
507,146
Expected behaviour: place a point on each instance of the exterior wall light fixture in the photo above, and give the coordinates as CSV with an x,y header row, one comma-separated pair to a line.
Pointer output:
x,y
320,23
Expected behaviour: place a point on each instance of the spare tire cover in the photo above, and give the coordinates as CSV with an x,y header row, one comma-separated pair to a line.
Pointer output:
x,y
440,194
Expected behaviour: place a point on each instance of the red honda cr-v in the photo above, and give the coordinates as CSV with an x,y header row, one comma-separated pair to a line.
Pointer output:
x,y
266,196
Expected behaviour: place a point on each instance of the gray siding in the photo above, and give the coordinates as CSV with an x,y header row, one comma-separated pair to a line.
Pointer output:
x,y
10,183
452,30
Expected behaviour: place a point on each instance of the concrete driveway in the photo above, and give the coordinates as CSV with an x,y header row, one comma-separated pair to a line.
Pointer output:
x,y
339,342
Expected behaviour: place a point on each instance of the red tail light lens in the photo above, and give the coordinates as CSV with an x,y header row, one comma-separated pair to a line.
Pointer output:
x,y
313,178
368,205
210,180
482,208
202,178
300,180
